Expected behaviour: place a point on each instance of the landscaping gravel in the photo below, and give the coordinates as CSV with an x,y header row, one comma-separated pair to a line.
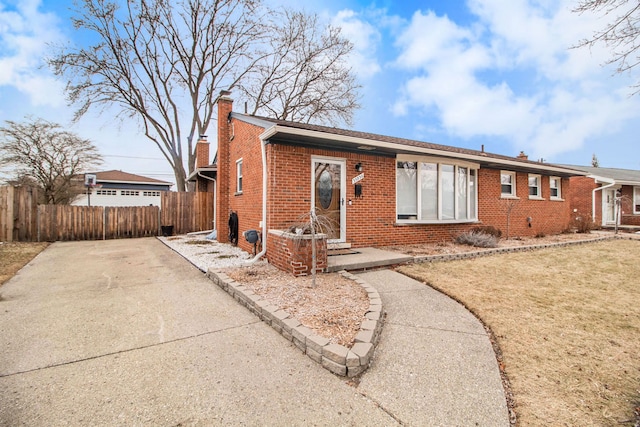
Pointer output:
x,y
206,254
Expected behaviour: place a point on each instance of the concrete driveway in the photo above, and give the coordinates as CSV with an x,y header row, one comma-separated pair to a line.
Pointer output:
x,y
125,332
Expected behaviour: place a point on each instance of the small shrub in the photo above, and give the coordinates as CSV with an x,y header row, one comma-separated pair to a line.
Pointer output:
x,y
477,239
540,235
487,229
581,223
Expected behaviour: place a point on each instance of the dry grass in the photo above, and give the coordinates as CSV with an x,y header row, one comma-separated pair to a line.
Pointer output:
x,y
14,256
334,308
567,321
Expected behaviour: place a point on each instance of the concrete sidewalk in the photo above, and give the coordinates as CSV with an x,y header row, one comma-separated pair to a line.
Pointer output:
x,y
434,365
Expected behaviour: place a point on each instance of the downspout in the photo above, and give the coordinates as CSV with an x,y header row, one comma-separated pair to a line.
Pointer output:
x,y
264,203
593,196
215,184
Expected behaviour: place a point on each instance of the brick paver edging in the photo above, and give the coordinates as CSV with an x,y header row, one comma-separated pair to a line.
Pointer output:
x,y
493,251
337,358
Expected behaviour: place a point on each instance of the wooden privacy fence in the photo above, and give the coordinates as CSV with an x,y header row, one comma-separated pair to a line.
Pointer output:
x,y
58,222
18,213
187,212
21,219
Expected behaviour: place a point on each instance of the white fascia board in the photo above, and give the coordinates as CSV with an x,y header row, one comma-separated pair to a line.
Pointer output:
x,y
276,129
601,179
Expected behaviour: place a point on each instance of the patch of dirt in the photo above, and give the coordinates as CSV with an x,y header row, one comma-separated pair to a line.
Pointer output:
x,y
449,247
15,255
334,308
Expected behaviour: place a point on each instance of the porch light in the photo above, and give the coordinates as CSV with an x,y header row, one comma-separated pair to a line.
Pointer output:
x,y
359,167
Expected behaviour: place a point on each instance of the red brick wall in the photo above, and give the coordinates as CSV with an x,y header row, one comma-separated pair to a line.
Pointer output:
x,y
202,153
225,106
371,218
580,198
296,256
247,204
627,215
547,216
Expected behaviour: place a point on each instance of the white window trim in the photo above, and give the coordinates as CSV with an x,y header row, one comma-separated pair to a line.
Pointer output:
x,y
513,194
539,187
559,196
239,176
440,161
636,199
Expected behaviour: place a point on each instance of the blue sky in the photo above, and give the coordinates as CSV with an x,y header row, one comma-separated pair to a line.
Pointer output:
x,y
462,73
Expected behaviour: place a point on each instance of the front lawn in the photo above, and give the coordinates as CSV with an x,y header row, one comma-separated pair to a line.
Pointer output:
x,y
567,321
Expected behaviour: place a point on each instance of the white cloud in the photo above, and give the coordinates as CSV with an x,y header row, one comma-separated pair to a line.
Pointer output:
x,y
365,38
512,75
24,34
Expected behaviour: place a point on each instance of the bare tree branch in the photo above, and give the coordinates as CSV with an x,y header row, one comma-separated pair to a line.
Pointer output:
x,y
620,35
165,63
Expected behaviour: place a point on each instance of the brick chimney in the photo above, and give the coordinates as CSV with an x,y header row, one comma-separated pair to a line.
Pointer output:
x,y
202,152
523,156
223,186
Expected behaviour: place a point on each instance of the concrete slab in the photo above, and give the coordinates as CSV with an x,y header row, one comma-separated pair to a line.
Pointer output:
x,y
366,258
126,332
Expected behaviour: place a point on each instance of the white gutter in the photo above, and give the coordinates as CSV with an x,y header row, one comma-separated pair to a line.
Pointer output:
x,y
215,184
364,142
264,202
611,183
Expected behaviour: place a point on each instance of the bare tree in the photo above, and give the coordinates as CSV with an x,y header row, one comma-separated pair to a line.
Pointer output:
x,y
620,34
165,63
42,152
309,79
507,206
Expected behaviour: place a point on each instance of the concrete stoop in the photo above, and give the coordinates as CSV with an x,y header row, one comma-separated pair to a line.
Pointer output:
x,y
340,360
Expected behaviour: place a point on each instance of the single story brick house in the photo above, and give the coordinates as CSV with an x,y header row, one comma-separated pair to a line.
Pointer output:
x,y
596,194
118,188
377,190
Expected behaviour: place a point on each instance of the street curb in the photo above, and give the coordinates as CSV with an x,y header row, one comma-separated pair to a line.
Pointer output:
x,y
343,361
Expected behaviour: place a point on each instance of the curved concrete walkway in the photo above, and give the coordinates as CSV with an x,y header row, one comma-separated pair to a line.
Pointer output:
x,y
434,364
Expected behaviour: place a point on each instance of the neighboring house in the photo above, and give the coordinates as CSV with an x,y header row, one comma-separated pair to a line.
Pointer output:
x,y
117,188
596,194
378,190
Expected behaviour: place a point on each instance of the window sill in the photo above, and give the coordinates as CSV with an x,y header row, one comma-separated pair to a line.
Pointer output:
x,y
435,222
556,199
508,196
238,193
536,198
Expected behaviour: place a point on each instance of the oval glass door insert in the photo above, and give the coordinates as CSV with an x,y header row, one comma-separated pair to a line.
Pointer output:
x,y
325,189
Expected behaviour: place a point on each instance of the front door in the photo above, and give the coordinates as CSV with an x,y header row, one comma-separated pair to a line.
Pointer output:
x,y
328,194
609,207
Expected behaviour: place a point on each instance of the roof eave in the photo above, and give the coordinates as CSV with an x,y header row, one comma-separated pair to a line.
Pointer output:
x,y
366,142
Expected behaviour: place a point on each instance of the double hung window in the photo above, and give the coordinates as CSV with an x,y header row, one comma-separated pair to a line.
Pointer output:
x,y
534,186
555,187
508,184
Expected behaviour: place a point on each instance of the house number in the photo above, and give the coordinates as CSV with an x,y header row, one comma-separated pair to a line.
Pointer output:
x,y
357,178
